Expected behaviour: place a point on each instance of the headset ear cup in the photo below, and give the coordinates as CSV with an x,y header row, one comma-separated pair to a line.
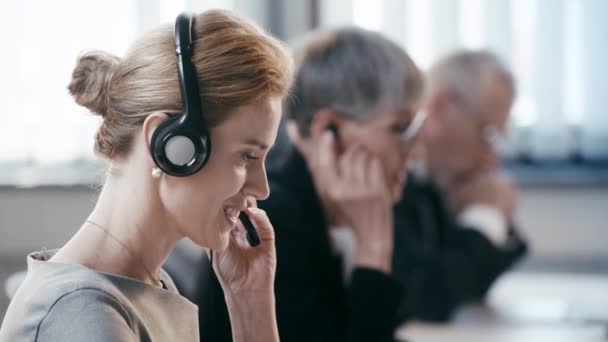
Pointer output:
x,y
157,148
168,143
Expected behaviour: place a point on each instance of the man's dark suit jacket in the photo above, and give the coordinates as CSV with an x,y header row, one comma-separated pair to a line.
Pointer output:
x,y
442,263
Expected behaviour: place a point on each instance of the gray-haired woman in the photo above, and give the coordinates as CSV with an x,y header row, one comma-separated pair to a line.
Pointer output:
x,y
353,116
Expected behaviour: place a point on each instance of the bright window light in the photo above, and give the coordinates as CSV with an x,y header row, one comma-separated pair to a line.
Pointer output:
x,y
471,23
368,14
419,32
573,84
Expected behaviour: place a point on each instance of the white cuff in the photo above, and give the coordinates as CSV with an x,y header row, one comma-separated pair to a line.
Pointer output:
x,y
345,244
486,219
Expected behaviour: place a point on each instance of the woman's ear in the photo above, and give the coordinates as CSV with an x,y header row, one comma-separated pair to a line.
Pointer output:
x,y
322,120
150,125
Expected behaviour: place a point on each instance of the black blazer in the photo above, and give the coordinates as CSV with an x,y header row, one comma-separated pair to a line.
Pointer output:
x,y
442,263
313,303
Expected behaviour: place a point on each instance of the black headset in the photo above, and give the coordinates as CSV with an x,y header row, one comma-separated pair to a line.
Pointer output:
x,y
181,145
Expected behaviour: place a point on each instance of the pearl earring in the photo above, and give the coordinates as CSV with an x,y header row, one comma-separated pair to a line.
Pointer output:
x,y
156,172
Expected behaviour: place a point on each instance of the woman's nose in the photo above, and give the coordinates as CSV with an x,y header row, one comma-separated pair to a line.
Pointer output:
x,y
257,184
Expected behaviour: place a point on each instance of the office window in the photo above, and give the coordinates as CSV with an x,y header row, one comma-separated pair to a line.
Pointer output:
x,y
552,46
45,132
41,42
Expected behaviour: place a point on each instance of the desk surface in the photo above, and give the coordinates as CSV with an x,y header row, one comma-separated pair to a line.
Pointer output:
x,y
523,307
422,332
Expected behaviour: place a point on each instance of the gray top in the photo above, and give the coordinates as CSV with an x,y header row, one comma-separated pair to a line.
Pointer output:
x,y
70,302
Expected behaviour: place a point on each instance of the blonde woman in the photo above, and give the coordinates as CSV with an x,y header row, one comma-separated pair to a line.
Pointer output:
x,y
106,283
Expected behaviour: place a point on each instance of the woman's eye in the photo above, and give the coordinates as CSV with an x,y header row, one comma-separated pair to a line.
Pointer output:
x,y
247,157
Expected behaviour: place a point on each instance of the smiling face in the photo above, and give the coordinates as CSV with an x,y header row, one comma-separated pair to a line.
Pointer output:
x,y
205,206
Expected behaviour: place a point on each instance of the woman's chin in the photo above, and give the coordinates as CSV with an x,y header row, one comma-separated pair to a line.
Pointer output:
x,y
218,243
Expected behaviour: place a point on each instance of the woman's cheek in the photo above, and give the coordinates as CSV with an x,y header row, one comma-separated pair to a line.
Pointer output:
x,y
233,181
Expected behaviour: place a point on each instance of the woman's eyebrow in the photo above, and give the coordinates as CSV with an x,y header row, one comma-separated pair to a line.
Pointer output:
x,y
256,143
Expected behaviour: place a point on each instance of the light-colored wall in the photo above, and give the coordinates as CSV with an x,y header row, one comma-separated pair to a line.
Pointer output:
x,y
559,222
562,222
44,217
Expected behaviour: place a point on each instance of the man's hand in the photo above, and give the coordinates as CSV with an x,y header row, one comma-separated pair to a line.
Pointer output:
x,y
491,188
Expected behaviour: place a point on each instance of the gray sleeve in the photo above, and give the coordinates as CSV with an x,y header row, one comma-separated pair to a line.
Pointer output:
x,y
86,315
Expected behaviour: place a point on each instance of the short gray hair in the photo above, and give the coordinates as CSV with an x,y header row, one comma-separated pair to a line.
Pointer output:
x,y
467,73
354,72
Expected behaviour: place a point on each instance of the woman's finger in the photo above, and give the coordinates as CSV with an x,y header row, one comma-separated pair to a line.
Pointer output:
x,y
360,161
327,158
238,236
346,164
376,176
261,223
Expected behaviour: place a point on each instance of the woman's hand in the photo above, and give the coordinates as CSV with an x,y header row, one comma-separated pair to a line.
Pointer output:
x,y
354,185
247,277
241,268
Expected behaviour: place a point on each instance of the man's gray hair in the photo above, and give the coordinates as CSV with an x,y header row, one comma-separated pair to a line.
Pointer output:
x,y
354,72
468,73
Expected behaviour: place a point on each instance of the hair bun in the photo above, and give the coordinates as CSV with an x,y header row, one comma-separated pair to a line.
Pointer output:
x,y
91,79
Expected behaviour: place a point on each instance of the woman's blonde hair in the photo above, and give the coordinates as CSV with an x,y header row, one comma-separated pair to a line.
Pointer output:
x,y
236,63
